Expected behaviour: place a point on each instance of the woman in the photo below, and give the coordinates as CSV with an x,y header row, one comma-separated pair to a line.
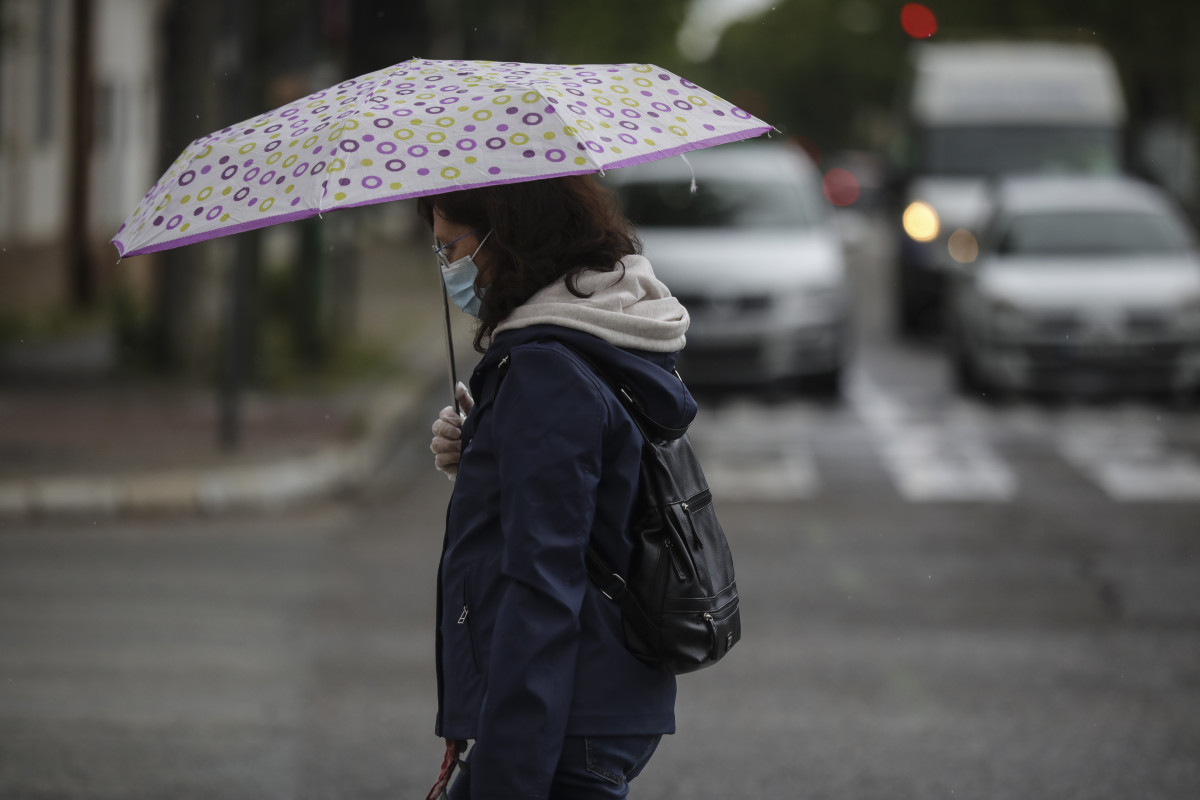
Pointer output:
x,y
531,660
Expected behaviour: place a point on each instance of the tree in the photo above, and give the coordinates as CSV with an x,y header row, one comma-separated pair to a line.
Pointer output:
x,y
817,67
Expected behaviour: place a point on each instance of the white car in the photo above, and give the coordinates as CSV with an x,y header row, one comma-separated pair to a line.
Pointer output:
x,y
970,110
754,255
1081,285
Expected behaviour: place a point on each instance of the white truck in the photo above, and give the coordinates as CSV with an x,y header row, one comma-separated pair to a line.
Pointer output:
x,y
971,112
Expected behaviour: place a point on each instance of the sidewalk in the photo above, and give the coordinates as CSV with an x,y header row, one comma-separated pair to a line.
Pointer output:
x,y
83,444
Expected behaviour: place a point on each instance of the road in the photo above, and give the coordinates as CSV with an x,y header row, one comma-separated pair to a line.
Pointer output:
x,y
941,599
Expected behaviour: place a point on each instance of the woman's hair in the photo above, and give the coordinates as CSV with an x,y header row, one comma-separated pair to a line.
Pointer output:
x,y
542,231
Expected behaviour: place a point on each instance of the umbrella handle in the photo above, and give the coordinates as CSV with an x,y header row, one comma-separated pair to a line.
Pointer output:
x,y
450,350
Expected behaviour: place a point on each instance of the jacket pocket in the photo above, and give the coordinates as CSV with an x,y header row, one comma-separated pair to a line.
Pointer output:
x,y
464,621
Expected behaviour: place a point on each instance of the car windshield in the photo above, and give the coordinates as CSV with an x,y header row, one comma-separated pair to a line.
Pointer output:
x,y
718,204
1013,149
1093,233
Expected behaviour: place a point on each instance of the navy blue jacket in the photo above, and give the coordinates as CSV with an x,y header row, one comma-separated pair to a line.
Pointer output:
x,y
529,650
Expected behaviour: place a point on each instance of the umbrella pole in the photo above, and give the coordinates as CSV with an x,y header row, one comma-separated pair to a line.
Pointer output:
x,y
450,350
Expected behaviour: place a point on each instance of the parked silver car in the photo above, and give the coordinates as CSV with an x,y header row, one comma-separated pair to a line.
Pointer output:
x,y
754,255
1080,285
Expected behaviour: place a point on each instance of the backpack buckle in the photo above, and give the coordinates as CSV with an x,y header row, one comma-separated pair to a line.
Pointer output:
x,y
604,590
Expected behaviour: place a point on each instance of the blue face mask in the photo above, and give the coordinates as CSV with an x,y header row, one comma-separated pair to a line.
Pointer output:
x,y
459,278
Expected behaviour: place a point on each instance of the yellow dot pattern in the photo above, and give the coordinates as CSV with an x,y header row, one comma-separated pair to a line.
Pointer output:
x,y
423,127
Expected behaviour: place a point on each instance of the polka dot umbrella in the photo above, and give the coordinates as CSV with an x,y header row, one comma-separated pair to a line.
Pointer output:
x,y
425,127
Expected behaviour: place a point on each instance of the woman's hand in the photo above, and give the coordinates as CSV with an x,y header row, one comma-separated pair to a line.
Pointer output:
x,y
447,433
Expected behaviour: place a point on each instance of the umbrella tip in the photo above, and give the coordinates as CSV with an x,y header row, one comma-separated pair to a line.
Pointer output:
x,y
694,188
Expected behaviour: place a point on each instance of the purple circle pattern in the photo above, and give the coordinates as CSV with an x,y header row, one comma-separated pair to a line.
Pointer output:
x,y
463,123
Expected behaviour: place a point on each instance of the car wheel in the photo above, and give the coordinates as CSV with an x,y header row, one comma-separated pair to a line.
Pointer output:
x,y
826,386
966,380
908,316
1185,399
970,382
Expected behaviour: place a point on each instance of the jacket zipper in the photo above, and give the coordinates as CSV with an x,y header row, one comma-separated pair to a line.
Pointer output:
x,y
462,620
466,609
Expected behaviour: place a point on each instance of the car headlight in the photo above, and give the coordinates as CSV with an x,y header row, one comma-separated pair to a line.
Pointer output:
x,y
1007,318
921,222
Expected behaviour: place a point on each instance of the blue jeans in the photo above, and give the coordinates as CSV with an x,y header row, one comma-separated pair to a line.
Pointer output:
x,y
590,768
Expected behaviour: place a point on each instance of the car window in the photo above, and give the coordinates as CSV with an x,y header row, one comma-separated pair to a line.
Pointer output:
x,y
982,150
718,204
1093,233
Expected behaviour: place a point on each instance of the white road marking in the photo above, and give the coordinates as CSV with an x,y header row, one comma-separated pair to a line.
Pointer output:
x,y
778,477
757,453
1129,458
933,453
931,458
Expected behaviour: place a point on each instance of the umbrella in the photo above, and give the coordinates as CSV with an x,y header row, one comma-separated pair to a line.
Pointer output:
x,y
425,127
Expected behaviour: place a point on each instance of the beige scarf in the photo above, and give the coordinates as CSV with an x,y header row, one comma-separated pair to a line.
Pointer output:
x,y
627,308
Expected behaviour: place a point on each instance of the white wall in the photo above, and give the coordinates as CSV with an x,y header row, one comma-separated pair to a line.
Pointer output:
x,y
33,119
35,96
127,80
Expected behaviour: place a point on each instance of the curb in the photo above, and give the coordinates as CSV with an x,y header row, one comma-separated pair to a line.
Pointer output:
x,y
265,486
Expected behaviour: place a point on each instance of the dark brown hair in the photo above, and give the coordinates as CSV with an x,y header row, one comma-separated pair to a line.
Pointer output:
x,y
542,231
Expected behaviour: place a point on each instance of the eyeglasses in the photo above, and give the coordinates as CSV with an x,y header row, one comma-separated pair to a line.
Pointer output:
x,y
439,249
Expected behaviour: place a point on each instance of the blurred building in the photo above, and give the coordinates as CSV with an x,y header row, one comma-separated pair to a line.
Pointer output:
x,y
79,120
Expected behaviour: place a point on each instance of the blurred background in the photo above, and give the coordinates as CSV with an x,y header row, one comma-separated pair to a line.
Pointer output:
x,y
948,399
100,96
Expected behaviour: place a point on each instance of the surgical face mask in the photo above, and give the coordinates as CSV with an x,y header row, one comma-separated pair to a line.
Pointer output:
x,y
459,278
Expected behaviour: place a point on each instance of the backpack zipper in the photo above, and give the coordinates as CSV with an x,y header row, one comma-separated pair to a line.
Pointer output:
x,y
692,505
674,558
712,634
699,500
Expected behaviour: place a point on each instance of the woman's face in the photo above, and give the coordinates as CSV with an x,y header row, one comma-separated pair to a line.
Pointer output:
x,y
446,231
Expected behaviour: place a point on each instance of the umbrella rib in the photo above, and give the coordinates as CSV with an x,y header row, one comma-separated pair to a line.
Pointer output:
x,y
338,128
533,86
554,126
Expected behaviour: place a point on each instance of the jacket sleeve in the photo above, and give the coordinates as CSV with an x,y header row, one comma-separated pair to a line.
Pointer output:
x,y
550,420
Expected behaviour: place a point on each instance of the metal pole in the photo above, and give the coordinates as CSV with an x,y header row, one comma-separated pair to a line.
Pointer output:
x,y
237,341
450,349
229,420
83,280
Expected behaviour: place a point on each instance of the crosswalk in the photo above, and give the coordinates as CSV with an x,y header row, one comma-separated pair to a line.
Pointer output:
x,y
759,453
929,457
949,450
1131,461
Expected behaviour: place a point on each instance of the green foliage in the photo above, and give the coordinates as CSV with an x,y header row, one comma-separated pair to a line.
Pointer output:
x,y
810,68
348,361
129,321
49,324
824,70
614,31
554,31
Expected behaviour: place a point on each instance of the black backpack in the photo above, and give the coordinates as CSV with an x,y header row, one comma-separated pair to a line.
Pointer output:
x,y
679,601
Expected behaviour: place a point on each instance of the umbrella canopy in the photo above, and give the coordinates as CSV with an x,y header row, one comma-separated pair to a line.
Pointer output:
x,y
426,127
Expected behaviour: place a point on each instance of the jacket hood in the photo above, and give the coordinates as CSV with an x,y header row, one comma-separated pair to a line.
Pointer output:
x,y
649,375
627,307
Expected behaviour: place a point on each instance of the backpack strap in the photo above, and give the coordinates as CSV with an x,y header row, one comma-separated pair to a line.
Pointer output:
x,y
607,580
613,586
650,430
